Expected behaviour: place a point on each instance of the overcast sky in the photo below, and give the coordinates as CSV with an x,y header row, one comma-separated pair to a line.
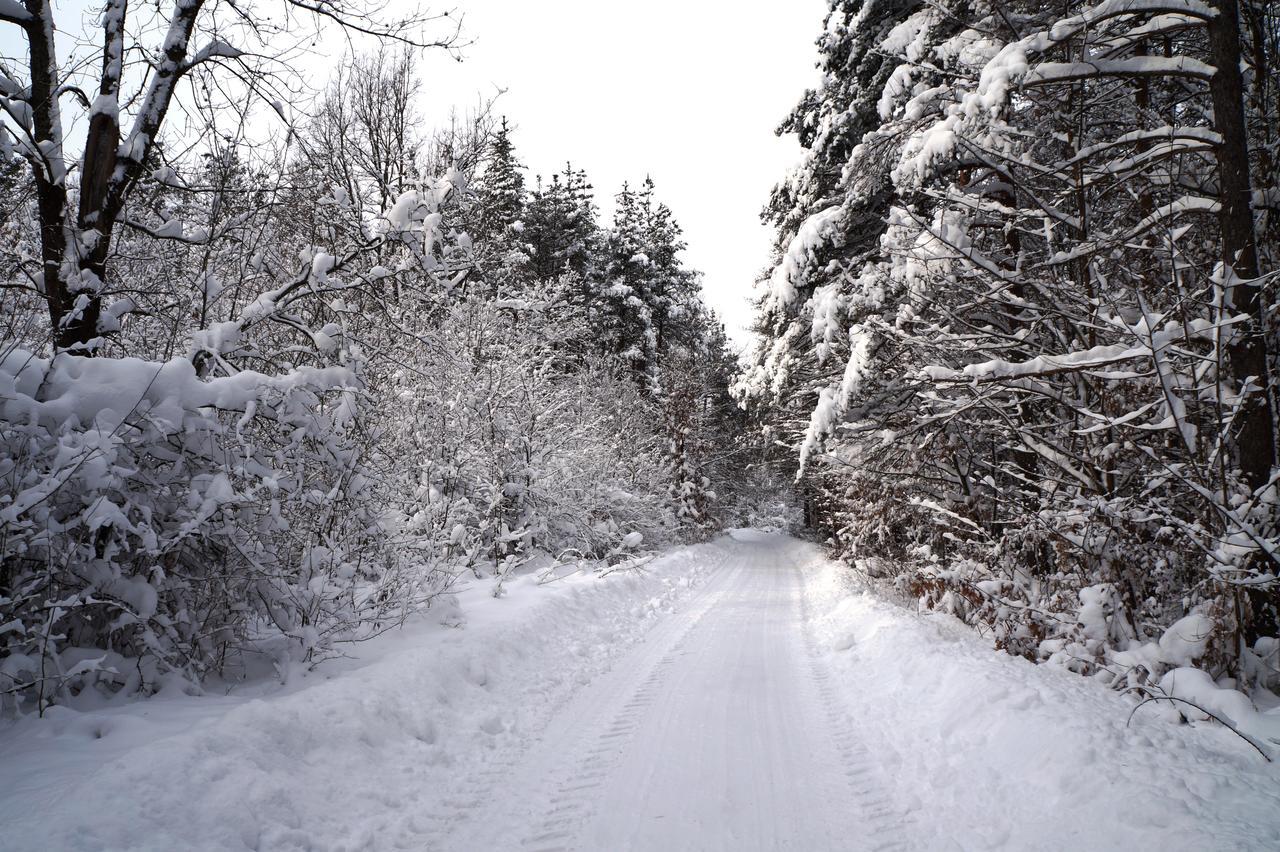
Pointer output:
x,y
688,91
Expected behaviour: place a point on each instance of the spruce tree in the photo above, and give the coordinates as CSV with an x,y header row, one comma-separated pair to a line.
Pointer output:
x,y
561,228
497,227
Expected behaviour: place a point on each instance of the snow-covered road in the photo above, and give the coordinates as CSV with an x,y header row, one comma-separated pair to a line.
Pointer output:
x,y
715,731
745,694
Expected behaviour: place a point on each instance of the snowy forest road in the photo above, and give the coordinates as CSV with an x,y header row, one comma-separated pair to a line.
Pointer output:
x,y
745,694
716,731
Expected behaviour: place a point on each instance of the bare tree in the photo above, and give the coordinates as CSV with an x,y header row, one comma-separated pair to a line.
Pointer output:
x,y
363,135
145,55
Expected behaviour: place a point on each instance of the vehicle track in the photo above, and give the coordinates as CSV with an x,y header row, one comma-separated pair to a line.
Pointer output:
x,y
717,730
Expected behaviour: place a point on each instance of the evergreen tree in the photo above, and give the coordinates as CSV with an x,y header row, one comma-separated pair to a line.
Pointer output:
x,y
824,295
996,348
650,296
499,191
561,231
497,222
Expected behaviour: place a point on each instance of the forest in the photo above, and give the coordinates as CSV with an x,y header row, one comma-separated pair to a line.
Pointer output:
x,y
369,482
1021,334
263,394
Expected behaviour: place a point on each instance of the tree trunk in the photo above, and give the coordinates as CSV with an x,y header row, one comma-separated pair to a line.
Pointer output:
x,y
1254,433
51,188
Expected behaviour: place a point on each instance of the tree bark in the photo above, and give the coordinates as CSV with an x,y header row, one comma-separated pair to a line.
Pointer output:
x,y
1254,433
50,178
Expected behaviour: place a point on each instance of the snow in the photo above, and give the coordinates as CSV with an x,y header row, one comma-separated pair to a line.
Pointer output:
x,y
994,752
827,306
1165,133
215,49
1226,704
1069,27
106,391
1141,66
1148,345
1186,204
358,754
742,694
12,10
791,273
907,40
833,400
171,229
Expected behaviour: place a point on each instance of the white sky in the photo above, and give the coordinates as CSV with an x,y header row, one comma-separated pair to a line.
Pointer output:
x,y
688,91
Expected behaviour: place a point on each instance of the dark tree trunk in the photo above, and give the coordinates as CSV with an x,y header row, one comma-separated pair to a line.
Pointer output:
x,y
1254,434
51,188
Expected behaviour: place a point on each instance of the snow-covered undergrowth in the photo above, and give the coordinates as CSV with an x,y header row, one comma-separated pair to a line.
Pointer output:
x,y
993,751
353,755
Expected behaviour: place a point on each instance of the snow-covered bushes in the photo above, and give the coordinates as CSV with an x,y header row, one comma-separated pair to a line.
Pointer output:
x,y
499,450
176,517
155,522
262,401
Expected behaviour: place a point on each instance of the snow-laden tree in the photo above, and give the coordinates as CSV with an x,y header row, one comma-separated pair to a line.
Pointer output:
x,y
170,516
209,54
561,230
198,491
307,420
514,454
362,137
651,298
1054,403
499,213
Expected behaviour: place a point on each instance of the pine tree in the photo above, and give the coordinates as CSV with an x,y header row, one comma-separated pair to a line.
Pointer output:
x,y
830,215
499,191
497,221
650,296
997,330
561,230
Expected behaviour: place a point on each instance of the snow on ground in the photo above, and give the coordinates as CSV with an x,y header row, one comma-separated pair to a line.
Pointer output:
x,y
359,760
710,734
743,694
990,751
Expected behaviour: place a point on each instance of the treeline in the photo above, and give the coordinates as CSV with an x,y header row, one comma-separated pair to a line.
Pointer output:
x,y
1021,333
258,399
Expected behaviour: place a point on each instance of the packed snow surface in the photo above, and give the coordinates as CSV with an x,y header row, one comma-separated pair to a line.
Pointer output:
x,y
745,694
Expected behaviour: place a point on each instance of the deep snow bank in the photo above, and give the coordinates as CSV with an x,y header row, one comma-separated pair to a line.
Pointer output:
x,y
356,756
983,750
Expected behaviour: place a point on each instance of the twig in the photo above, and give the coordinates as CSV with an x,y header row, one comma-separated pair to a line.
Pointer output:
x,y
1230,727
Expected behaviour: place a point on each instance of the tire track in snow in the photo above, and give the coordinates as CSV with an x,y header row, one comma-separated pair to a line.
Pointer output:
x,y
485,817
571,805
721,729
889,826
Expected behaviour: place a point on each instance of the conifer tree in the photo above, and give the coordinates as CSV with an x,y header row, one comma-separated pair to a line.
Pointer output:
x,y
497,221
830,215
1018,328
500,192
561,229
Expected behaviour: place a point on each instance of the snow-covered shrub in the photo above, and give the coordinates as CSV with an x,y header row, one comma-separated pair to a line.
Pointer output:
x,y
259,400
171,516
153,521
504,451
